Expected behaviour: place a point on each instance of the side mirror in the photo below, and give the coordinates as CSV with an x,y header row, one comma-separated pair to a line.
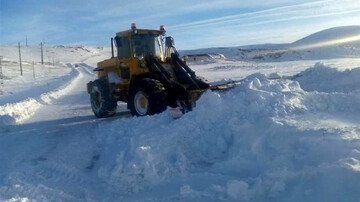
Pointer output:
x,y
169,41
118,41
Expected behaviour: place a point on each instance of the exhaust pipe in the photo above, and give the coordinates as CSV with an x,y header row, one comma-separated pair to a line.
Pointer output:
x,y
112,47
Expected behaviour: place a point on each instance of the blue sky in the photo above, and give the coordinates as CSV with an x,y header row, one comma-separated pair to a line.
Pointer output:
x,y
193,23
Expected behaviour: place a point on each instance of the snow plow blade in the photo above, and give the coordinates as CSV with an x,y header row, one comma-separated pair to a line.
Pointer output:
x,y
223,85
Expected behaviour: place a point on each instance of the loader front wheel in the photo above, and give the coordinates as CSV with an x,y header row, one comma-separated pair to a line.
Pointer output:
x,y
102,103
147,97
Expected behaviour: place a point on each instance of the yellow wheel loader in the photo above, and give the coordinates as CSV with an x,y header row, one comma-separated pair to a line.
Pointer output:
x,y
146,73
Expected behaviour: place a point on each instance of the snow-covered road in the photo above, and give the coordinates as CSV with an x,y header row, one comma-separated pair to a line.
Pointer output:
x,y
51,154
43,154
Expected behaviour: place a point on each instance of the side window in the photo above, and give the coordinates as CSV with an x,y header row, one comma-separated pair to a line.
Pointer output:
x,y
123,47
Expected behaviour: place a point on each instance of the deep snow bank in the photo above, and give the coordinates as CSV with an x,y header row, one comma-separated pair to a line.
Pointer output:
x,y
239,146
15,108
326,79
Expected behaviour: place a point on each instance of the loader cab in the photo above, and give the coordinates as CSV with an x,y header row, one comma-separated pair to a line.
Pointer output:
x,y
144,44
131,48
136,43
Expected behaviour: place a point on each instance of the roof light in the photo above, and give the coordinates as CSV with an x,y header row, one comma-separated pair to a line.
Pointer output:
x,y
133,26
162,29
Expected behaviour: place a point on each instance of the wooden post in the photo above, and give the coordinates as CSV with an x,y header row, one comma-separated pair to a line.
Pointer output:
x,y
1,73
21,72
42,53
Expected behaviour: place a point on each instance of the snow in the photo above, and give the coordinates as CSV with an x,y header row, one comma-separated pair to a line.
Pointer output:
x,y
332,34
242,137
338,42
24,95
321,78
288,131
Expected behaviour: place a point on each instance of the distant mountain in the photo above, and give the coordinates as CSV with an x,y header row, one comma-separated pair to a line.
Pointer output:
x,y
337,42
332,36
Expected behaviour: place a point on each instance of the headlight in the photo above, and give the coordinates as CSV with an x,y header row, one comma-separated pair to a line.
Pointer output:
x,y
142,64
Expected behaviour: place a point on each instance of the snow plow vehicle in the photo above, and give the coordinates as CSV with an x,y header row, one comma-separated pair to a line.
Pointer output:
x,y
146,73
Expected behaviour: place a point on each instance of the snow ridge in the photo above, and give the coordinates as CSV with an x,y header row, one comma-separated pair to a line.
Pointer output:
x,y
252,137
17,112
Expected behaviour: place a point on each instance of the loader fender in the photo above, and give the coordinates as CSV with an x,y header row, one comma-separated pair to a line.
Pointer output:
x,y
89,87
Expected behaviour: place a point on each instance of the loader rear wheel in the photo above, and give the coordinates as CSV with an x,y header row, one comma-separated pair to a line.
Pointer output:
x,y
102,103
147,97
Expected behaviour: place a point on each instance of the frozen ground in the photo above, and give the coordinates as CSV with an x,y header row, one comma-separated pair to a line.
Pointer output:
x,y
294,138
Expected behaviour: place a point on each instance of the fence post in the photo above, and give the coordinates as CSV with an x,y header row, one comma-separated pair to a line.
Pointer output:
x,y
21,72
42,53
1,72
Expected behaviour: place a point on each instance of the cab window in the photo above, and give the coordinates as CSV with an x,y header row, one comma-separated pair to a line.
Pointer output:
x,y
144,44
122,44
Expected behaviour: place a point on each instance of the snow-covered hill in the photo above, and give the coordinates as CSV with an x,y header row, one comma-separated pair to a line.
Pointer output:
x,y
338,42
347,36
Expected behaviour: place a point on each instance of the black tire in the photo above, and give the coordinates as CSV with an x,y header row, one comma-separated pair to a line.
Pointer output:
x,y
102,103
147,97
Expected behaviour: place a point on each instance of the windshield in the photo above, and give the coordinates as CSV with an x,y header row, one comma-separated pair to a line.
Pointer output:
x,y
144,44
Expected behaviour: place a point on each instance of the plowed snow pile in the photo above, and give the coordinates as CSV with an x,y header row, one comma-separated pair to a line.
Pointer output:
x,y
325,79
262,141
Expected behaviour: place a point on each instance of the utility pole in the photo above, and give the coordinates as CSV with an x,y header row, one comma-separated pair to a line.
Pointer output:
x,y
21,72
1,73
42,53
26,40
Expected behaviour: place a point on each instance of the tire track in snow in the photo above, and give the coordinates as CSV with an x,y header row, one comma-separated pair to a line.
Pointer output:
x,y
64,168
56,176
56,94
87,67
29,192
